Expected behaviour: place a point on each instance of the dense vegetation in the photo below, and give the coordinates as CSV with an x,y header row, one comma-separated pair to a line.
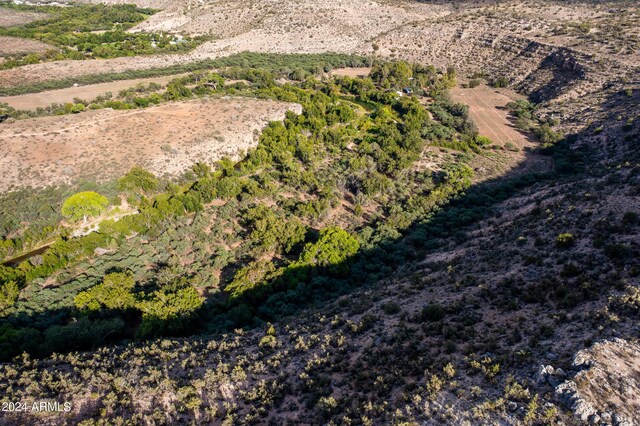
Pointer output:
x,y
259,237
85,31
282,64
41,209
526,120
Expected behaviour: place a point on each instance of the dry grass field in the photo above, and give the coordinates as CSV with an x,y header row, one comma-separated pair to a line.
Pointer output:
x,y
10,17
15,45
487,107
104,144
351,72
89,92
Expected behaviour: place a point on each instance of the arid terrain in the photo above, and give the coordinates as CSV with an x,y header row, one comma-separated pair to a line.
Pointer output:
x,y
105,144
489,281
31,101
14,45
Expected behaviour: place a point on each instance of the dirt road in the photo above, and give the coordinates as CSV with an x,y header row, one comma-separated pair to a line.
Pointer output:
x,y
88,93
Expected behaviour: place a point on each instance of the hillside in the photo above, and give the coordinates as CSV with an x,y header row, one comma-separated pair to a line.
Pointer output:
x,y
439,224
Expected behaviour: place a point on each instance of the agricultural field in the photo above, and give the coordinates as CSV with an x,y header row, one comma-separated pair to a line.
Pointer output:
x,y
13,17
342,212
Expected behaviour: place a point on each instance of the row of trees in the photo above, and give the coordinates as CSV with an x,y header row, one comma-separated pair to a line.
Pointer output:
x,y
85,31
353,140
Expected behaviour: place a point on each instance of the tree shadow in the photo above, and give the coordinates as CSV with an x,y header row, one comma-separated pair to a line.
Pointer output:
x,y
304,287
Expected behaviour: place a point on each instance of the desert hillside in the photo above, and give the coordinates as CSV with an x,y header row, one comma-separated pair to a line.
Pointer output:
x,y
382,212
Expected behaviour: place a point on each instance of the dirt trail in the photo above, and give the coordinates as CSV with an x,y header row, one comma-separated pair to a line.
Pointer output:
x,y
87,93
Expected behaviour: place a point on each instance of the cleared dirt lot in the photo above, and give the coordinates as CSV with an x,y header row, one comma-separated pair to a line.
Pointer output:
x,y
88,93
487,108
15,45
105,144
10,17
351,72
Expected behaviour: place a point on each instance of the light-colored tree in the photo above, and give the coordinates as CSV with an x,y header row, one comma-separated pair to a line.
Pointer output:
x,y
115,292
84,204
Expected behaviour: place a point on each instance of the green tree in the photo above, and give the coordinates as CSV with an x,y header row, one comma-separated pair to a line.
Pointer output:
x,y
115,292
331,251
166,305
250,277
9,293
138,179
84,204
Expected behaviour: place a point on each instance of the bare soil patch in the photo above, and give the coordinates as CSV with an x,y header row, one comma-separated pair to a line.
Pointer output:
x,y
105,144
16,45
351,72
45,71
10,17
487,107
88,93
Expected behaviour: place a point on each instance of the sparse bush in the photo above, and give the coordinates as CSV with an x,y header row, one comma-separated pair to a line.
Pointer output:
x,y
391,308
474,83
565,240
500,82
432,312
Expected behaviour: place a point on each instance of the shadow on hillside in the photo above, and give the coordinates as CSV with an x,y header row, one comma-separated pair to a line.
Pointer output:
x,y
307,287
63,330
571,156
374,264
559,71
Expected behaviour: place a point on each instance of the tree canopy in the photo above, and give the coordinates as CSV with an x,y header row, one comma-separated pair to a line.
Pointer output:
x,y
333,248
84,204
113,293
138,179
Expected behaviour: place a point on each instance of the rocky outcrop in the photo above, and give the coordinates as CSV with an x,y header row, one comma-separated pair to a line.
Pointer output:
x,y
606,388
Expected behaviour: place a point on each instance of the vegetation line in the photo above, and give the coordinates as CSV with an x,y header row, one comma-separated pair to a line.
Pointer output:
x,y
334,154
324,62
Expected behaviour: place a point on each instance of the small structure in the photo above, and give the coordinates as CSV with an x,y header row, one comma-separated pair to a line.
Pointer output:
x,y
407,90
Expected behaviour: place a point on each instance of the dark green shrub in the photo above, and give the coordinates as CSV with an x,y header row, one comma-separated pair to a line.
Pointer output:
x,y
432,312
